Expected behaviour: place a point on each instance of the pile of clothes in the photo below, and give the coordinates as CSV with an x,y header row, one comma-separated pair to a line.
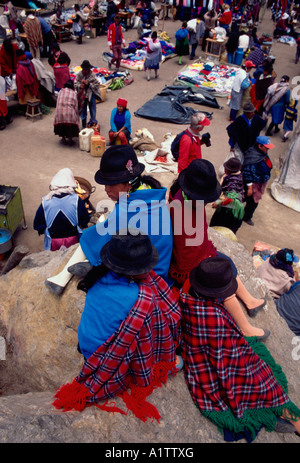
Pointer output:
x,y
216,78
135,54
111,79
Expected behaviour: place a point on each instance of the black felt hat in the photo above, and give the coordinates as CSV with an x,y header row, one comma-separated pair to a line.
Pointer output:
x,y
129,252
213,277
86,64
199,181
119,164
233,165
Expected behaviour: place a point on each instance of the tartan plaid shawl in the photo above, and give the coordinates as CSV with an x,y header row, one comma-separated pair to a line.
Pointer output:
x,y
138,356
229,382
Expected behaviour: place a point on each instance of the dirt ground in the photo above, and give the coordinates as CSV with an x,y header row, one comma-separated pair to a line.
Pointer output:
x,y
31,154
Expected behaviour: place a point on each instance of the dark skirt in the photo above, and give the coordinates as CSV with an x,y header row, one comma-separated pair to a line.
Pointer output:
x,y
182,47
223,217
66,130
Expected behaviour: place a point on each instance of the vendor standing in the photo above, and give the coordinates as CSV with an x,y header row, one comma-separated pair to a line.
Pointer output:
x,y
62,213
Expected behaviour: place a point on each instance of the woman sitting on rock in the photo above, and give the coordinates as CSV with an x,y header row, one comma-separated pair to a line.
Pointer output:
x,y
231,379
128,330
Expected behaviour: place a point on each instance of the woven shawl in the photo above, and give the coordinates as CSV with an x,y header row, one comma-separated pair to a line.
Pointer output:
x,y
227,375
138,356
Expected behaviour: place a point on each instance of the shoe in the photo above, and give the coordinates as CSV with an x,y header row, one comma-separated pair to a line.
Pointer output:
x,y
284,139
253,312
284,426
56,289
249,222
81,269
264,336
179,365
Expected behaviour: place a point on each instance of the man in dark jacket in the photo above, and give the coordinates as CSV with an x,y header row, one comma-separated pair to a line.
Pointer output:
x,y
244,130
256,173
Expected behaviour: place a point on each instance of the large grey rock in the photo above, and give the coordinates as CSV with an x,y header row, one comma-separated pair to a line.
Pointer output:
x,y
41,335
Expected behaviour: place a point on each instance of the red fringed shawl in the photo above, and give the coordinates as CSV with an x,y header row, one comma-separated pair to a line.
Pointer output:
x,y
137,357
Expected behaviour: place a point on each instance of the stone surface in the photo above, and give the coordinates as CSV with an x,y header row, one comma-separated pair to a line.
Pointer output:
x,y
41,334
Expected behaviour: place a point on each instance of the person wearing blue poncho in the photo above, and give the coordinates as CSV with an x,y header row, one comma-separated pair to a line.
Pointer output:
x,y
140,204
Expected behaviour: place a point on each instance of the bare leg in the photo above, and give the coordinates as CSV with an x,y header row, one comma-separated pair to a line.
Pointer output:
x,y
242,293
234,308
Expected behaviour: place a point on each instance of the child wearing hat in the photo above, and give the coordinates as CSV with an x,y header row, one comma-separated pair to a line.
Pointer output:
x,y
278,273
120,123
129,329
229,377
229,207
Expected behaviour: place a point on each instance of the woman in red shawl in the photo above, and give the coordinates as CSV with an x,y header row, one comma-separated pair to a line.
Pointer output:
x,y
196,186
26,79
234,381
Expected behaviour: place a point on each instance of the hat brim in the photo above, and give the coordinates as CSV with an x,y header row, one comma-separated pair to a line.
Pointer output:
x,y
128,268
206,197
269,146
205,122
113,178
223,292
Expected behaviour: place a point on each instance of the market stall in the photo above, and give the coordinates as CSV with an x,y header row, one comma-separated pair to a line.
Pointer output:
x,y
216,78
135,54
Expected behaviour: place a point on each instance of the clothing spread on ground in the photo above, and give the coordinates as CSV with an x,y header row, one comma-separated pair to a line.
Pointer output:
x,y
112,80
135,54
215,78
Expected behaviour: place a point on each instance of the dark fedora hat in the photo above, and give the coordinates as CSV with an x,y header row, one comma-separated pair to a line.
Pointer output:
x,y
214,278
129,252
86,64
119,164
233,165
199,181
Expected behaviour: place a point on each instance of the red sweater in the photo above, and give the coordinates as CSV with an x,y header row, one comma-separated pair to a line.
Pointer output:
x,y
111,34
189,149
225,18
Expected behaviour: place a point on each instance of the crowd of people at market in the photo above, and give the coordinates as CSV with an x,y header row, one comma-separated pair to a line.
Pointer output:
x,y
157,301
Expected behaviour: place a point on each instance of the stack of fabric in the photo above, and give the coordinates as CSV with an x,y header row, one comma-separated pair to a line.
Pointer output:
x,y
216,78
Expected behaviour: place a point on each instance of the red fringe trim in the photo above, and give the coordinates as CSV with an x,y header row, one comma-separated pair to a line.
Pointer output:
x,y
75,395
72,396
